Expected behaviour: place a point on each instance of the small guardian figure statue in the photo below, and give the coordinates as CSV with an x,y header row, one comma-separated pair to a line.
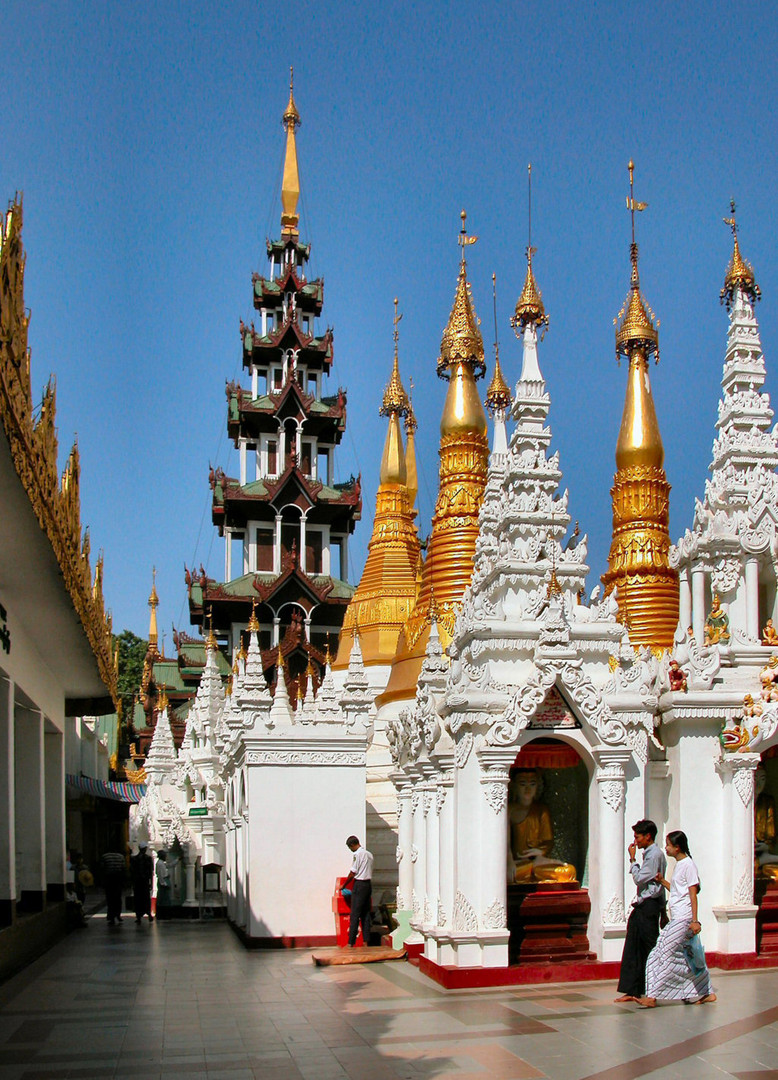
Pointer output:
x,y
717,624
531,833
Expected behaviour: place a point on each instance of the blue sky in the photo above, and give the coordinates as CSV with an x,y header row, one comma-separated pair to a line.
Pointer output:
x,y
148,143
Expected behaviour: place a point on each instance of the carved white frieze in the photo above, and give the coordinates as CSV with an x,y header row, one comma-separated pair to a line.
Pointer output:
x,y
462,749
398,854
743,779
305,757
496,794
414,853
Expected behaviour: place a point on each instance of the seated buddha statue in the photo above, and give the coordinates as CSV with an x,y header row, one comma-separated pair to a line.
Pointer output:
x,y
531,833
764,830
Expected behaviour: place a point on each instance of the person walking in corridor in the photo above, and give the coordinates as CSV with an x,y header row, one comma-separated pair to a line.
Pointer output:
x,y
361,875
647,909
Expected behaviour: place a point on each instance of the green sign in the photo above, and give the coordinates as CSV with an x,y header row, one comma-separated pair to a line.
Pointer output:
x,y
198,811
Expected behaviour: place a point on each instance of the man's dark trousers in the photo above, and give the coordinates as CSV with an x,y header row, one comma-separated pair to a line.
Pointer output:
x,y
361,895
642,932
113,895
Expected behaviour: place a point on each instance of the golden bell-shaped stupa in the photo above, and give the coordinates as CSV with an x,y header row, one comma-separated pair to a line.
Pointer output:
x,y
387,589
638,564
464,456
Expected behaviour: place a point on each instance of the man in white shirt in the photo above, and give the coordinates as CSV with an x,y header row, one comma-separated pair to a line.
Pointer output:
x,y
360,879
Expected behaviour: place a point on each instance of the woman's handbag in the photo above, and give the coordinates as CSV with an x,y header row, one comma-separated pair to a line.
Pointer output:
x,y
695,954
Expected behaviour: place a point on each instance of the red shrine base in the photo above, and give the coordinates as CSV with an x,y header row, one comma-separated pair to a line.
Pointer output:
x,y
548,923
766,898
460,978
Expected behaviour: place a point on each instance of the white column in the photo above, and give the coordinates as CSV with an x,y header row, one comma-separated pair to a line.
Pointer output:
x,y
404,842
276,631
736,918
611,857
243,461
303,552
685,607
54,765
7,803
698,603
277,546
432,843
30,805
752,597
190,861
493,918
228,554
325,551
418,860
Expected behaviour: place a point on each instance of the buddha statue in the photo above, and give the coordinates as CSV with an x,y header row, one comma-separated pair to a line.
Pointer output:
x,y
531,833
717,624
764,830
769,634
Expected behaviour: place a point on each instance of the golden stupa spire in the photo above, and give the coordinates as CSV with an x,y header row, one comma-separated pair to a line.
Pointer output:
x,y
529,307
387,588
290,184
498,396
740,272
211,643
638,561
253,623
153,604
464,458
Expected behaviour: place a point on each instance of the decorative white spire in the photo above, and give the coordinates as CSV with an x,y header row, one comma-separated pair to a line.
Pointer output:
x,y
161,758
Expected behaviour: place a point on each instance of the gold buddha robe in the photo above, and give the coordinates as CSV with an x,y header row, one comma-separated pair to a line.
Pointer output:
x,y
536,831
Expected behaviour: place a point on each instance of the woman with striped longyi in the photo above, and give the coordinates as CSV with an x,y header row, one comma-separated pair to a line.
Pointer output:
x,y
672,974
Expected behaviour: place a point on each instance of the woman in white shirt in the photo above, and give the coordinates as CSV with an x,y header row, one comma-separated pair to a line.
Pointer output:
x,y
669,975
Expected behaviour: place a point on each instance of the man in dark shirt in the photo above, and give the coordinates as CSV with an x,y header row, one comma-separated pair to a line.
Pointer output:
x,y
112,869
647,907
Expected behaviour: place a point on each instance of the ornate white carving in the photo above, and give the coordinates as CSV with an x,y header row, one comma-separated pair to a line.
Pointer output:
x,y
465,918
613,913
414,853
743,780
427,911
496,794
495,916
401,904
415,905
442,915
744,890
462,749
398,854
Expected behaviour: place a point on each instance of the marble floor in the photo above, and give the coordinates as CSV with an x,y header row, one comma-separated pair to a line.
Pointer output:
x,y
186,1000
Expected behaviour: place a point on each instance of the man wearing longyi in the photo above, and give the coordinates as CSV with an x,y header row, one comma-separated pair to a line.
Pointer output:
x,y
647,908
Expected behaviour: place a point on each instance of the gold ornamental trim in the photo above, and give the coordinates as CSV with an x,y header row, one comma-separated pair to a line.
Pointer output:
x,y
33,443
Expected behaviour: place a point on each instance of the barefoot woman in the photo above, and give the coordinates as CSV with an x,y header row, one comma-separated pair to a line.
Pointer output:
x,y
668,974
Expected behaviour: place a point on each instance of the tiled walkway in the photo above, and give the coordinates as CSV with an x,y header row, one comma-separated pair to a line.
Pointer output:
x,y
186,1000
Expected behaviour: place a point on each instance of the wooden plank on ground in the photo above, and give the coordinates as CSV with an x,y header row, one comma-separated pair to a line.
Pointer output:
x,y
362,955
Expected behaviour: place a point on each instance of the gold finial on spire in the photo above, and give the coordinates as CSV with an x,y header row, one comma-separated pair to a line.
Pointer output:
x,y
153,604
253,623
395,399
636,325
162,700
290,184
280,658
498,396
529,307
211,644
462,341
740,272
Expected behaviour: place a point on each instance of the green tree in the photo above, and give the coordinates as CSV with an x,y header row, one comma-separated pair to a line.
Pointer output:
x,y
132,653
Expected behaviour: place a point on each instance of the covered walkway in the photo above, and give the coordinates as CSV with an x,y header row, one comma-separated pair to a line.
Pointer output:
x,y
185,999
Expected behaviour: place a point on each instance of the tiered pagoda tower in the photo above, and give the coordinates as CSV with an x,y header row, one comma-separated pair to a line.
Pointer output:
x,y
638,561
284,520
